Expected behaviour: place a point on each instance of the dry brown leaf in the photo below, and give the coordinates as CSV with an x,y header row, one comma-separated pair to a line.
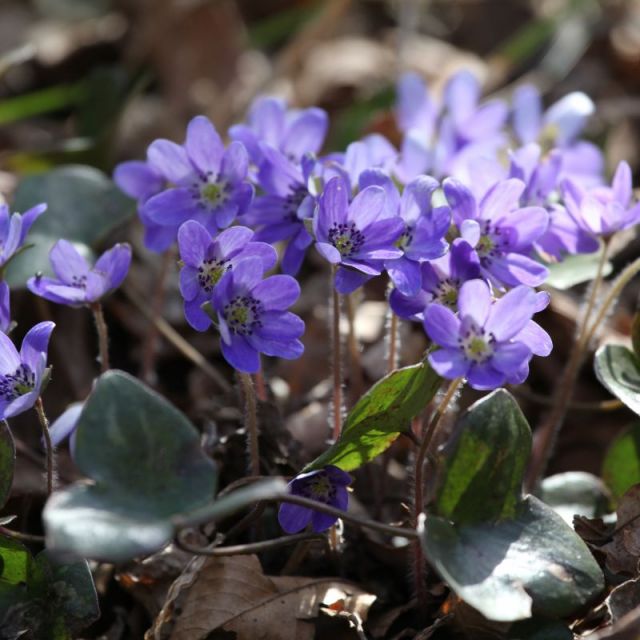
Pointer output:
x,y
233,595
623,550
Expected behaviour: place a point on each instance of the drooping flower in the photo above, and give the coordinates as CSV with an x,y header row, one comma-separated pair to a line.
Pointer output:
x,y
21,374
483,342
604,210
14,229
355,237
502,233
77,283
253,318
441,282
292,132
328,486
207,259
285,203
210,181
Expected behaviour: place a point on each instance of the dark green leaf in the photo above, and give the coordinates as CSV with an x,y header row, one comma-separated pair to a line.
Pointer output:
x,y
83,206
575,493
509,569
618,369
380,416
147,464
621,466
7,462
482,468
574,270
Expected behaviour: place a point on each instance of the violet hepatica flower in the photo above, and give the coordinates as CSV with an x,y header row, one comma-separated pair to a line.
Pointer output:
x,y
21,374
329,486
210,181
14,229
207,259
604,210
253,318
502,232
286,202
65,426
482,343
77,283
292,132
5,307
355,237
441,282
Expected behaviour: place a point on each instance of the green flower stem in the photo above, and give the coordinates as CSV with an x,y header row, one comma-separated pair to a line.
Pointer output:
x,y
251,423
49,450
103,335
418,491
547,433
337,360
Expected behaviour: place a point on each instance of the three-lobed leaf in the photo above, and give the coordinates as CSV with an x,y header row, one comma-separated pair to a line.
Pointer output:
x,y
618,369
380,416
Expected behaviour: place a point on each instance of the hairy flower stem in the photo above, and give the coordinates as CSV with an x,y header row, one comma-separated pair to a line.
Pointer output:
x,y
337,361
48,445
392,342
103,336
418,491
355,363
547,434
251,423
261,387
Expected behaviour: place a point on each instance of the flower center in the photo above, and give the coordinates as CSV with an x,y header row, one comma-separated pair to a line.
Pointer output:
x,y
446,293
320,488
405,240
16,384
210,191
477,345
292,203
210,272
346,238
491,243
80,282
242,315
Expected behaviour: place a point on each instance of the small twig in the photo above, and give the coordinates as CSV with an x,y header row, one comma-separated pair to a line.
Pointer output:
x,y
49,451
149,349
392,342
251,423
246,549
27,537
103,335
178,341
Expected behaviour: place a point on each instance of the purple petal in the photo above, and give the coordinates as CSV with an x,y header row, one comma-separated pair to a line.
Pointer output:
x,y
246,274
367,207
530,224
138,179
622,184
28,218
66,423
36,344
5,307
460,199
474,301
501,198
568,116
406,275
514,269
409,308
293,518
348,280
171,207
442,325
114,265
449,363
414,108
195,315
232,241
96,287
240,354
9,358
189,283
381,235
322,521
277,293
329,252
21,404
334,204
67,263
287,349
510,314
536,338
281,325
235,163
158,238
194,241
461,95
306,133
483,376
510,357
204,145
527,113
170,160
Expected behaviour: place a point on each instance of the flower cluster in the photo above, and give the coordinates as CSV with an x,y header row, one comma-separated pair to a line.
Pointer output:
x,y
464,218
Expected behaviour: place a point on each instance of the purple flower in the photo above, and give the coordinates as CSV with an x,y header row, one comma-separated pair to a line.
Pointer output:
x,y
604,210
502,233
14,229
355,237
77,283
328,486
483,343
424,229
441,282
210,182
65,426
287,202
21,374
294,133
252,316
206,260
